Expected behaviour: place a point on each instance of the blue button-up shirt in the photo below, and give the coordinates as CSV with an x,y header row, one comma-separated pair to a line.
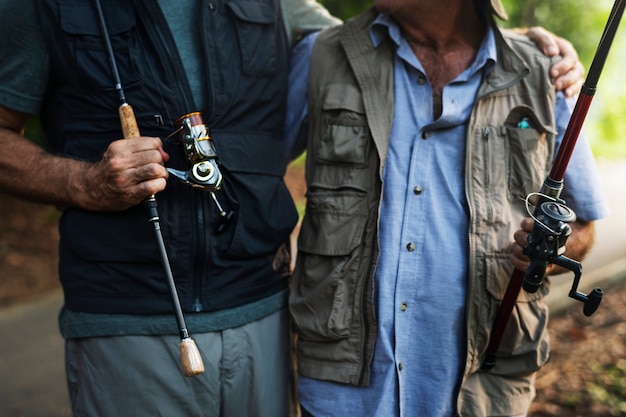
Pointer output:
x,y
421,275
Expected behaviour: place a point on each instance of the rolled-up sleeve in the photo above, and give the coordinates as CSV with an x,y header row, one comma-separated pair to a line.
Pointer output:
x,y
305,16
24,57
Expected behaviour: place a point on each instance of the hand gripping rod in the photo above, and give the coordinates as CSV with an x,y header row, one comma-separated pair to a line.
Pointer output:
x,y
551,190
190,358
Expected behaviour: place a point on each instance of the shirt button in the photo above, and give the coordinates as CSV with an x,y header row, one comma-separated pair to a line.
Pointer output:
x,y
421,80
403,306
417,190
410,247
425,134
400,366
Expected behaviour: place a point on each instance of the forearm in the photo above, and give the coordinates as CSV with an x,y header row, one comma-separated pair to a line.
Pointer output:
x,y
129,171
28,171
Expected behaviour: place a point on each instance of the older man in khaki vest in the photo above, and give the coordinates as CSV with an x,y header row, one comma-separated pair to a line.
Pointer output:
x,y
427,126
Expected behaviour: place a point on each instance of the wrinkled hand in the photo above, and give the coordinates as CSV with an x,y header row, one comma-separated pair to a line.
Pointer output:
x,y
568,72
129,172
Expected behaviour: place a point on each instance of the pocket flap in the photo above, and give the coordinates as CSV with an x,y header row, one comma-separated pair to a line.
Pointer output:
x,y
82,18
328,230
252,12
343,97
533,122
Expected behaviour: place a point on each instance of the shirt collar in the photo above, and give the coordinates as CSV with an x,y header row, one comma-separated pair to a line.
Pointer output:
x,y
384,26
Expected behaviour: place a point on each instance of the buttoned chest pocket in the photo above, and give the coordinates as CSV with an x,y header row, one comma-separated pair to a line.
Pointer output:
x,y
87,65
345,133
530,152
256,32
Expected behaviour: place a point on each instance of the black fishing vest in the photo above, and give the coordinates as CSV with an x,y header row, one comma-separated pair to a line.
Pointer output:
x,y
109,262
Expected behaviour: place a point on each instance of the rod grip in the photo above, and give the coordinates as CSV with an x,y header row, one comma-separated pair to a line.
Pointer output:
x,y
129,123
190,358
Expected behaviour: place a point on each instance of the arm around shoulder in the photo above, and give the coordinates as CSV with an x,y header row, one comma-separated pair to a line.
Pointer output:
x,y
568,72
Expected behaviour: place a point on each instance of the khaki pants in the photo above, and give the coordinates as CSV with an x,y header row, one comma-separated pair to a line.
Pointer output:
x,y
247,373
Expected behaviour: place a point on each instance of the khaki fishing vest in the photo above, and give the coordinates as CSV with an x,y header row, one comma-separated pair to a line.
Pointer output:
x,y
350,116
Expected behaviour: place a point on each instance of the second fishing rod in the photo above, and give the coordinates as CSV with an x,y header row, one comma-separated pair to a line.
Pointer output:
x,y
552,217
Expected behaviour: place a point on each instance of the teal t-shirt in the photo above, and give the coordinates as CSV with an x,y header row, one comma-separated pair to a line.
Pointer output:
x,y
177,13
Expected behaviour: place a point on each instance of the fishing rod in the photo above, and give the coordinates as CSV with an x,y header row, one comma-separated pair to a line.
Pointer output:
x,y
546,242
190,358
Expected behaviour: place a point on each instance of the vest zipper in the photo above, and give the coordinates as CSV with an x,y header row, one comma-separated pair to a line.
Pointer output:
x,y
175,70
198,253
470,255
486,157
366,321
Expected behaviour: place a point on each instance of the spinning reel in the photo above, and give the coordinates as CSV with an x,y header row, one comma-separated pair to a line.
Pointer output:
x,y
546,244
200,153
203,172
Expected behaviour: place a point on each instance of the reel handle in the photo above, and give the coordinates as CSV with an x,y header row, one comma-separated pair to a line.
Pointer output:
x,y
590,302
593,302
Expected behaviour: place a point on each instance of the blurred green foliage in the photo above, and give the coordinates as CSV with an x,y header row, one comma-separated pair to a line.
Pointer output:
x,y
579,21
345,9
582,23
33,131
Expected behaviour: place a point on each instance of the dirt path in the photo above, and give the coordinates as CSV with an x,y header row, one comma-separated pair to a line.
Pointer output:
x,y
28,250
587,373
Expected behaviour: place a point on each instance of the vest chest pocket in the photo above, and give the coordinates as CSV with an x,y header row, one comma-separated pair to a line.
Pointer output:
x,y
255,24
345,134
90,68
529,152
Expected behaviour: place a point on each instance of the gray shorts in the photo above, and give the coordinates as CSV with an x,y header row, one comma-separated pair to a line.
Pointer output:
x,y
247,373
